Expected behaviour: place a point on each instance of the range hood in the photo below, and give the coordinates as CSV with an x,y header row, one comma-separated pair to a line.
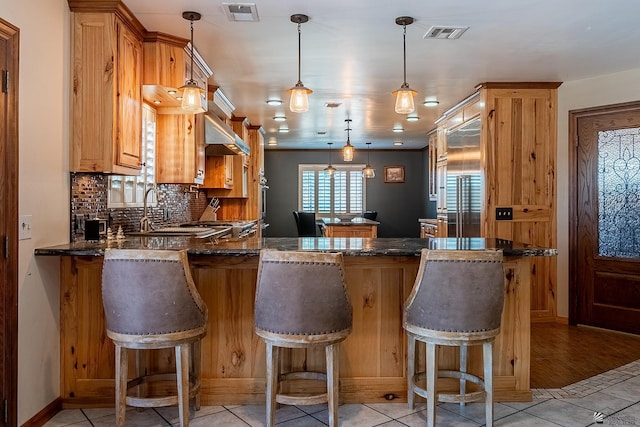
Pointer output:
x,y
219,138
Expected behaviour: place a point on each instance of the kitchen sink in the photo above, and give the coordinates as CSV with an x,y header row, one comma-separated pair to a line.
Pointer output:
x,y
199,232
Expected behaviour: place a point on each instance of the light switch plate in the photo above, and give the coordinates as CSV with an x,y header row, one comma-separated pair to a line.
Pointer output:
x,y
24,227
504,214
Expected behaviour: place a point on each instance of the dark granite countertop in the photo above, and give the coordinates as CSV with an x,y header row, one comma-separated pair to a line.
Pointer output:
x,y
353,246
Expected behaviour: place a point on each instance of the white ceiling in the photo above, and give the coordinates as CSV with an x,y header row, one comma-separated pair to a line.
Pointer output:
x,y
352,54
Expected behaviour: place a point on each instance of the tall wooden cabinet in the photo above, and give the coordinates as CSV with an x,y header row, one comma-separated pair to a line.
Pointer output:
x,y
519,141
518,158
106,114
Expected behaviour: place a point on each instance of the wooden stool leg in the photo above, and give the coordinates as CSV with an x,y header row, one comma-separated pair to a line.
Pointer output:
x,y
432,376
487,358
273,360
411,369
463,369
332,352
122,364
196,370
182,371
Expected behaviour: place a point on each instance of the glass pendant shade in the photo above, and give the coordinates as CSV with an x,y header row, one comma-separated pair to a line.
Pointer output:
x,y
368,172
191,99
404,100
299,102
348,149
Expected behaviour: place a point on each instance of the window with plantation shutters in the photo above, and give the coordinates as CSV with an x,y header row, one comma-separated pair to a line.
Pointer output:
x,y
327,194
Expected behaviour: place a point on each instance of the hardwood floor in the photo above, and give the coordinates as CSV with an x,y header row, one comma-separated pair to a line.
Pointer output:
x,y
562,355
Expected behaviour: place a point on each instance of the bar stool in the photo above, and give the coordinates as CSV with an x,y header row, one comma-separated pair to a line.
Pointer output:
x,y
302,302
457,300
151,302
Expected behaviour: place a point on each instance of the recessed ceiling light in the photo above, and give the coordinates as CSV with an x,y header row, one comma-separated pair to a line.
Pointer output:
x,y
274,101
179,98
279,118
283,129
172,92
397,143
156,102
431,103
413,118
398,129
272,141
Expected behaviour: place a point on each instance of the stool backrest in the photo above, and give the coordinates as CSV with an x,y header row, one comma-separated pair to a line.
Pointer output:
x,y
457,291
306,223
150,292
301,293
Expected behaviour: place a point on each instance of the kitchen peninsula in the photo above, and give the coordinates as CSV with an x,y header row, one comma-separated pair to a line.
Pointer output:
x,y
379,274
356,227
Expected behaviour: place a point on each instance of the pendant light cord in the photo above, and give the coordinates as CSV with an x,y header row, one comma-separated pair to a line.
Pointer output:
x,y
299,54
404,53
191,49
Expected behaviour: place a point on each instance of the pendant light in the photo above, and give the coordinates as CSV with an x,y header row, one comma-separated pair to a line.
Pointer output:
x,y
330,169
191,99
404,95
368,171
347,150
299,102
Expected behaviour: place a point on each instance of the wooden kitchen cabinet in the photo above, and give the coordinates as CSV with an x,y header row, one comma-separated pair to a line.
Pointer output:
x,y
106,113
180,149
428,229
167,66
433,161
219,172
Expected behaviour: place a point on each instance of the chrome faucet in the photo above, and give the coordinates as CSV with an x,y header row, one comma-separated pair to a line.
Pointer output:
x,y
145,222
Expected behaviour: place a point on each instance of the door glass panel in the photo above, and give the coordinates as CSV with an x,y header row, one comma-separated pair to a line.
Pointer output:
x,y
619,193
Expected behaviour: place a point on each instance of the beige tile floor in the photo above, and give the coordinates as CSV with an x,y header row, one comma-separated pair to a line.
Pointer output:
x,y
615,394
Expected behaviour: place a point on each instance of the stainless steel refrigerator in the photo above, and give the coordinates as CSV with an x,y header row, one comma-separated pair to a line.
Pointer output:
x,y
464,180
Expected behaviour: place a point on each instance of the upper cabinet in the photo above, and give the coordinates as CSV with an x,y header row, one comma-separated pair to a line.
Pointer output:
x,y
167,66
106,116
180,148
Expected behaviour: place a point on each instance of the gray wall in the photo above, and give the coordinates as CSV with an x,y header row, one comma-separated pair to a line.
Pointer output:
x,y
399,205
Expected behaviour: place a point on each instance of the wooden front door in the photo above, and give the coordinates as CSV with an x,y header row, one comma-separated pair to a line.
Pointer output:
x,y
606,240
8,223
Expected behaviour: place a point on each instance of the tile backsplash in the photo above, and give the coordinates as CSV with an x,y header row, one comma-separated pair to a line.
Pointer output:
x,y
89,198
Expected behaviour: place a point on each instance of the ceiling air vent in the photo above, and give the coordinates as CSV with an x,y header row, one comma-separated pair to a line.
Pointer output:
x,y
242,12
448,33
332,104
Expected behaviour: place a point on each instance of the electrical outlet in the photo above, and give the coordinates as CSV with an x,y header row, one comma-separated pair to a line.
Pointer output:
x,y
24,227
504,214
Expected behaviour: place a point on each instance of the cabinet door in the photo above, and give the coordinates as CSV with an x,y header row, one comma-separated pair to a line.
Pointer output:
x,y
180,153
441,180
129,98
219,172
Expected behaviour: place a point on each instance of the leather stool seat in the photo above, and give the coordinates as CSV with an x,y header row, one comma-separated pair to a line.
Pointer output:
x,y
457,300
302,302
151,302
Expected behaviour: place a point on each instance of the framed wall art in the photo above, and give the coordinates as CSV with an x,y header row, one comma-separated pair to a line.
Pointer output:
x,y
394,174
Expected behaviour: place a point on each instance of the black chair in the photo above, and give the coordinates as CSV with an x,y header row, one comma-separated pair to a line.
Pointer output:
x,y
372,215
306,223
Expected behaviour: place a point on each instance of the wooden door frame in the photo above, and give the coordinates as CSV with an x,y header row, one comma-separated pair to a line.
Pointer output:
x,y
9,226
574,116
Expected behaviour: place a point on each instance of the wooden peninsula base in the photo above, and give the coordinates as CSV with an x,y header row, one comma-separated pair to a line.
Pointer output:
x,y
372,358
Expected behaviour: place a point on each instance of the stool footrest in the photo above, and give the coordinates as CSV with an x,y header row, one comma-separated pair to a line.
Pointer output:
x,y
451,397
292,399
152,402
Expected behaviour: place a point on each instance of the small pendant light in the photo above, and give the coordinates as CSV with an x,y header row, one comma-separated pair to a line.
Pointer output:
x,y
299,102
404,95
368,171
347,150
330,169
191,99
